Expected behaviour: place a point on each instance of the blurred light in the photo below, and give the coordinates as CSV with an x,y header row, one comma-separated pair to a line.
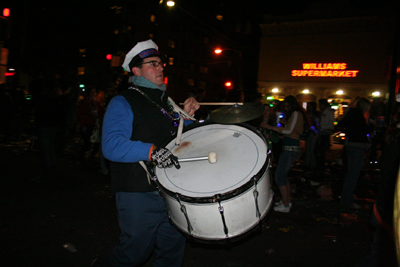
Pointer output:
x,y
228,84
270,98
339,92
6,12
82,86
275,90
170,3
9,74
218,51
306,91
335,107
108,56
376,93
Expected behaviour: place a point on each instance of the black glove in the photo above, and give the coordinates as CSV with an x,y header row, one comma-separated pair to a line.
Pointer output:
x,y
163,158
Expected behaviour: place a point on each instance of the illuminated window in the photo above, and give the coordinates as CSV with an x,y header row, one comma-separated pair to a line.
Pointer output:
x,y
171,61
171,43
82,51
190,82
152,18
81,70
203,69
219,17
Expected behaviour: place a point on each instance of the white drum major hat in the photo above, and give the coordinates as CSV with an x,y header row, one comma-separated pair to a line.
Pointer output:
x,y
140,51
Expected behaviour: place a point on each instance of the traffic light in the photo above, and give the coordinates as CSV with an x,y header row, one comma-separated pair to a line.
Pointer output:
x,y
6,12
228,85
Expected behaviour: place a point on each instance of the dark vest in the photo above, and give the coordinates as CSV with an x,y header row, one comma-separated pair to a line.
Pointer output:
x,y
150,125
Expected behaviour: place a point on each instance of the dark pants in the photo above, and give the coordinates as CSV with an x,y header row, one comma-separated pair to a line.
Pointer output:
x,y
322,146
145,228
48,147
355,160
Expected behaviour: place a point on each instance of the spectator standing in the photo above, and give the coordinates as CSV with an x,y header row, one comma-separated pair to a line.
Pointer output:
x,y
326,125
382,251
89,111
311,141
357,144
291,149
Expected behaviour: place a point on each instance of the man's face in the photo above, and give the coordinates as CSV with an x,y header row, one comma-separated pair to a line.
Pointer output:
x,y
149,72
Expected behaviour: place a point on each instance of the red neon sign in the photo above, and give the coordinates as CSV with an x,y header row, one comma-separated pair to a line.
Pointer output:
x,y
325,70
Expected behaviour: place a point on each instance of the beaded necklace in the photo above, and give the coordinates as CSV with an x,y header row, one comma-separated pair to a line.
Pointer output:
x,y
173,116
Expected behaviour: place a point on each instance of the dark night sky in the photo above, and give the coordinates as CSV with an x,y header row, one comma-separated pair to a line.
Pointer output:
x,y
54,30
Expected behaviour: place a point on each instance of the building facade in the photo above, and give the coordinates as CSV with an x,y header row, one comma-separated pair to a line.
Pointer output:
x,y
315,55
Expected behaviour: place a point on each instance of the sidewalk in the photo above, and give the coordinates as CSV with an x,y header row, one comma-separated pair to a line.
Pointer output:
x,y
41,216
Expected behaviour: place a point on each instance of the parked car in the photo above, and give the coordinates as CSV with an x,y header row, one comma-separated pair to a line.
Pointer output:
x,y
339,137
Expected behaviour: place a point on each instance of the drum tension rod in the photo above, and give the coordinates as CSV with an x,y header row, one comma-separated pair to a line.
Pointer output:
x,y
255,194
183,209
221,211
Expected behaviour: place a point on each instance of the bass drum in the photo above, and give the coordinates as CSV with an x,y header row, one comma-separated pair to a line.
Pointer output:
x,y
221,200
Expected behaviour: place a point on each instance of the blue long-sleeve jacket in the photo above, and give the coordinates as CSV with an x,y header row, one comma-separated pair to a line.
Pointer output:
x,y
117,131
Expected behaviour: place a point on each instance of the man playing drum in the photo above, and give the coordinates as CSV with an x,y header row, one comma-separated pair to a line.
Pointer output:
x,y
136,123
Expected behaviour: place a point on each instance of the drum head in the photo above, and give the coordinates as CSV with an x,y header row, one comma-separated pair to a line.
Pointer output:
x,y
241,154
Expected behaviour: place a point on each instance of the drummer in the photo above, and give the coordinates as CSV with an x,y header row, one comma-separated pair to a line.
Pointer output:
x,y
136,123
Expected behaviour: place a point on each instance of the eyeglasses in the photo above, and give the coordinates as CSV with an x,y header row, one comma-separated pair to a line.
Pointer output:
x,y
155,63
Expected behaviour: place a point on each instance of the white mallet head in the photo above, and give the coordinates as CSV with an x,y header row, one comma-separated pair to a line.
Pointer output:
x,y
212,157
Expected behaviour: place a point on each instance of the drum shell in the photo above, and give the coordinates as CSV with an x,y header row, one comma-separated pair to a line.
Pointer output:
x,y
240,212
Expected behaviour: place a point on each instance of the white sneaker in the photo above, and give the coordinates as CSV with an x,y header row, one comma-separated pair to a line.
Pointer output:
x,y
281,203
282,208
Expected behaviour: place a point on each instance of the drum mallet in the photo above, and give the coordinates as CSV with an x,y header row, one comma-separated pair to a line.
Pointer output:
x,y
212,158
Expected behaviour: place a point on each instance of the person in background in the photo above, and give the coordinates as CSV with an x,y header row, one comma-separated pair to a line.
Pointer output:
x,y
291,149
89,111
326,125
311,141
137,122
271,137
382,251
357,144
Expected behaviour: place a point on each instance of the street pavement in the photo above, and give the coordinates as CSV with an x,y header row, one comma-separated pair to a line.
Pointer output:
x,y
68,217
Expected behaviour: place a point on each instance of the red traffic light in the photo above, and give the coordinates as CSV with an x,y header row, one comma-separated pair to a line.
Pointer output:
x,y
228,84
108,56
6,12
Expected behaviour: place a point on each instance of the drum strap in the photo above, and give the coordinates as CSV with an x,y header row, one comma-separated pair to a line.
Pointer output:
x,y
148,173
183,114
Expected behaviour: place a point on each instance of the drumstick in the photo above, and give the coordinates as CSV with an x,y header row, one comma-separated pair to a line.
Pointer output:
x,y
216,103
212,158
